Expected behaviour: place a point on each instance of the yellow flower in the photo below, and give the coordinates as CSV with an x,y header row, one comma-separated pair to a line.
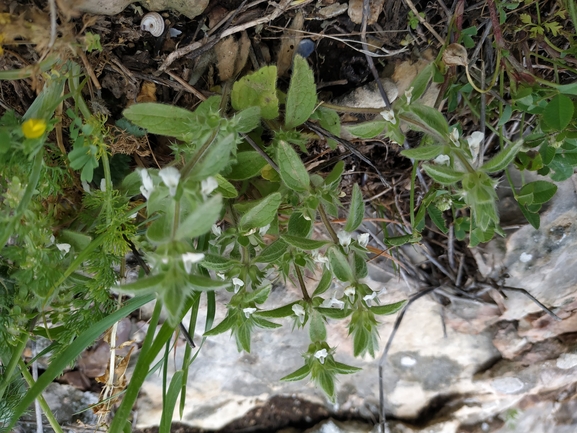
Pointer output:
x,y
34,128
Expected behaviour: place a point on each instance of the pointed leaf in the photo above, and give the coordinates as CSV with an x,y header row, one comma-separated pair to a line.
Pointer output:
x,y
385,310
428,120
356,210
340,265
300,374
248,164
201,219
334,313
218,263
345,369
161,119
223,326
261,213
423,152
302,94
304,243
247,120
437,218
284,311
442,174
142,286
324,283
367,129
263,323
273,252
292,170
317,329
202,283
502,160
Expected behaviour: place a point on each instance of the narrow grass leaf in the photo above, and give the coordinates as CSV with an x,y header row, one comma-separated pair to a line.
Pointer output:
x,y
169,402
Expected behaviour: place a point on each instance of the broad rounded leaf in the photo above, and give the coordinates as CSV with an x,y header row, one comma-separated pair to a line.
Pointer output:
x,y
257,90
442,174
558,113
292,170
302,94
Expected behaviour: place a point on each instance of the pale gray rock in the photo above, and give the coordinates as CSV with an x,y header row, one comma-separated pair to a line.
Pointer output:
x,y
189,8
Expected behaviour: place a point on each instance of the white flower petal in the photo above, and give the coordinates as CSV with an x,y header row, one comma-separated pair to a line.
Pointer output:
x,y
442,160
248,311
170,177
363,239
389,116
216,230
344,238
409,94
299,312
147,183
238,283
321,355
350,291
65,248
208,185
454,136
189,258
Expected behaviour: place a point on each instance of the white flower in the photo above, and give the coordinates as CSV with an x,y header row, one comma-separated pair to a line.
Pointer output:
x,y
350,292
454,136
65,248
409,94
208,185
103,185
363,239
370,298
262,231
389,116
299,312
442,160
216,230
308,218
475,140
248,311
220,275
147,184
238,283
344,238
333,303
319,257
170,176
321,355
189,258
86,187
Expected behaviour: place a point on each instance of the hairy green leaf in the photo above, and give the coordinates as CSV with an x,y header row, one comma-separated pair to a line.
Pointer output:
x,y
257,90
161,119
384,310
302,94
261,213
367,129
292,170
201,219
299,374
304,243
442,174
356,210
272,252
248,164
317,328
502,160
340,265
428,120
423,152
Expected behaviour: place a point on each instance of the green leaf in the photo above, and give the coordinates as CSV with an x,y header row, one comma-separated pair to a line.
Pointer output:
x,y
243,336
557,114
541,191
161,119
247,120
340,265
257,90
292,170
304,243
360,266
169,402
299,374
201,219
215,158
367,129
428,120
262,212
437,218
324,283
356,210
327,382
360,340
262,323
329,119
173,295
384,310
272,252
248,164
421,81
258,296
223,326
225,188
202,283
423,152
299,226
533,218
217,263
317,329
502,160
334,176
284,311
443,174
334,313
302,94
142,286
341,368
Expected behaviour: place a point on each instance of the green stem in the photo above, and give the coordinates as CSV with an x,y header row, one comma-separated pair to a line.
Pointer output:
x,y
45,408
327,224
302,283
11,367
